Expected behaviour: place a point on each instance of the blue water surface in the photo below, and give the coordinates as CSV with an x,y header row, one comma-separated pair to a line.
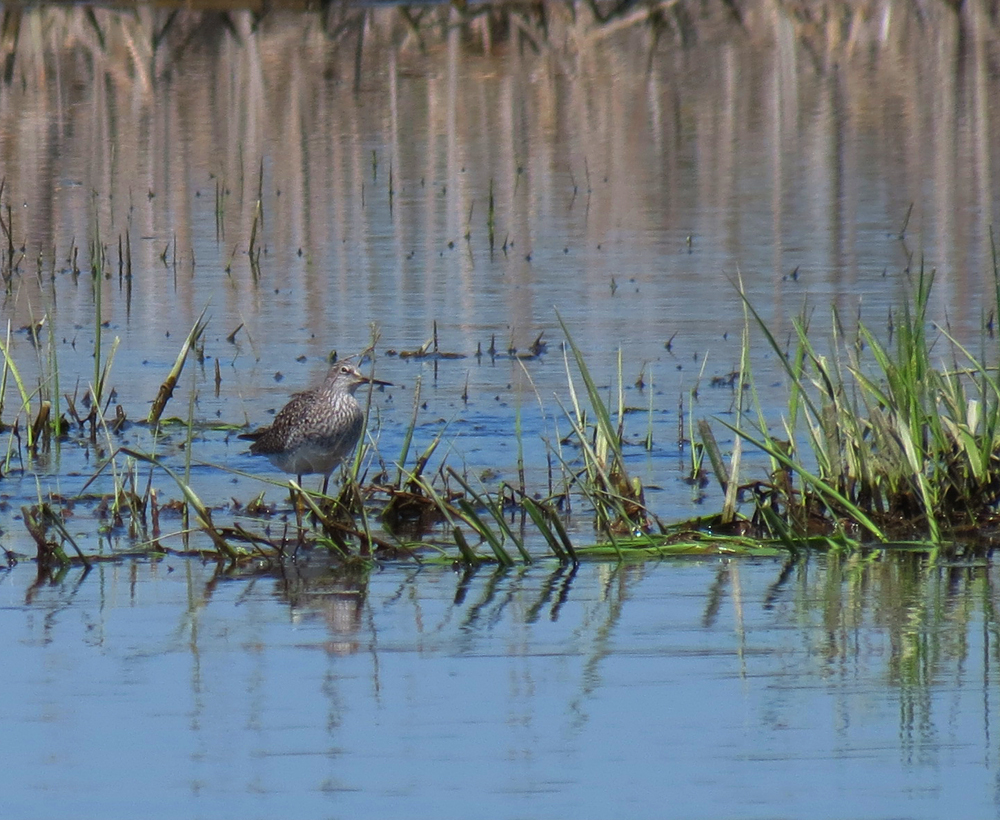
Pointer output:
x,y
692,688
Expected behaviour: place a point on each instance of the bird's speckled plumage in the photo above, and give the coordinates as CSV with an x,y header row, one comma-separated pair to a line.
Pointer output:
x,y
318,428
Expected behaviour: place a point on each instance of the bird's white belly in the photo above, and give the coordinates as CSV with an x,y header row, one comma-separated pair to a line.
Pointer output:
x,y
307,458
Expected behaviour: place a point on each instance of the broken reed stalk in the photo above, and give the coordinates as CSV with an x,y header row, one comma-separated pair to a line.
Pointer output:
x,y
7,226
98,291
519,436
47,552
11,367
220,224
167,388
408,434
103,374
38,519
491,219
253,250
202,512
56,426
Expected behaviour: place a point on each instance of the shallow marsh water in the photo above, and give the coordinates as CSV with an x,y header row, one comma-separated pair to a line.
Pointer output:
x,y
696,688
630,185
634,173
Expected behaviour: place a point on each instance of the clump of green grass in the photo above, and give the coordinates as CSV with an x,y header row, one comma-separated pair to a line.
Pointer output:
x,y
880,440
618,499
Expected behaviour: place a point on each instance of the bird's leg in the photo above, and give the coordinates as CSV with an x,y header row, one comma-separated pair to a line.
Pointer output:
x,y
297,502
293,497
313,518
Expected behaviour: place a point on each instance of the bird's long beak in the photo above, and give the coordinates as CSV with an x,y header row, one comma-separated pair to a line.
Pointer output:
x,y
378,382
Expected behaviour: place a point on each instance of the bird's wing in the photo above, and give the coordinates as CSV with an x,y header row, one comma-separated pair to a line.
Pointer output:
x,y
289,428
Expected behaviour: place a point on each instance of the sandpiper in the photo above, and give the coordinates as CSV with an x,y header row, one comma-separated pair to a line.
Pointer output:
x,y
318,428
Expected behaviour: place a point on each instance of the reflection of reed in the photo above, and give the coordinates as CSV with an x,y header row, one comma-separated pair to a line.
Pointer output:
x,y
916,617
634,115
888,626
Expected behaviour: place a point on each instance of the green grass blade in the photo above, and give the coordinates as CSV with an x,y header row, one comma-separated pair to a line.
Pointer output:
x,y
820,486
